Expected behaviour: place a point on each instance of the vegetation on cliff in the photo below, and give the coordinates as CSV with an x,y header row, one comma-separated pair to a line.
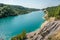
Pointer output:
x,y
12,10
54,12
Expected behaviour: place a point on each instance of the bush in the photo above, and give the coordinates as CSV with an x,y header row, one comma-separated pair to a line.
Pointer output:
x,y
22,36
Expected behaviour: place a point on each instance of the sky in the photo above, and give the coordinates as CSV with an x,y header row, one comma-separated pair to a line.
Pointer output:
x,y
32,3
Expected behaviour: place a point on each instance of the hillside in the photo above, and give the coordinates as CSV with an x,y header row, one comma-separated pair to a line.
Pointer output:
x,y
12,10
53,12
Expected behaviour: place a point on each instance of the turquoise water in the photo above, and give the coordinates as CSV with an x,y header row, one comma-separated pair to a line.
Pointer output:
x,y
11,26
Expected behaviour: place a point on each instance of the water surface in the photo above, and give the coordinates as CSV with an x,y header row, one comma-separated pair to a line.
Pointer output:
x,y
11,26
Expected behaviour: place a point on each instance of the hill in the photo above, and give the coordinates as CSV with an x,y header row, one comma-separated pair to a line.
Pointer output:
x,y
12,10
53,12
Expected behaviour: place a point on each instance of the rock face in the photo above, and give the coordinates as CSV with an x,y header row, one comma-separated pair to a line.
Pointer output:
x,y
44,33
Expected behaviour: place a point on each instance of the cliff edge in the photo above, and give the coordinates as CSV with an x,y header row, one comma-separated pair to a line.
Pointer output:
x,y
46,32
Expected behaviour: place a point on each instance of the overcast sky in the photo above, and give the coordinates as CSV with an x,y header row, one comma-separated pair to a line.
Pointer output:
x,y
32,3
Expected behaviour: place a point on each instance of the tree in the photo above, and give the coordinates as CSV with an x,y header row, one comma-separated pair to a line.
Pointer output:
x,y
22,36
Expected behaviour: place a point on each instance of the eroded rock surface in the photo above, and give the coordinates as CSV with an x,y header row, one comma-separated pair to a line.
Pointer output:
x,y
44,33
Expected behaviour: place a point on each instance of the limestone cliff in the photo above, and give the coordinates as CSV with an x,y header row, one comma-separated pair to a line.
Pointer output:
x,y
50,31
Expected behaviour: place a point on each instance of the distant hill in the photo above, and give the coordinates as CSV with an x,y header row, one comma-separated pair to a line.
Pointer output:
x,y
12,10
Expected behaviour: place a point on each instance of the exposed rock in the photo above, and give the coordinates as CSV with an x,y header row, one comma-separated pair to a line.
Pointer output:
x,y
44,33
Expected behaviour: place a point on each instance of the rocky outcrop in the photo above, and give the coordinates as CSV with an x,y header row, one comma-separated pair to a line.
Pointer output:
x,y
44,33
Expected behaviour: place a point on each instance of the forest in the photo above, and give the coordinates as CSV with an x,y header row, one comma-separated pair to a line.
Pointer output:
x,y
54,12
12,10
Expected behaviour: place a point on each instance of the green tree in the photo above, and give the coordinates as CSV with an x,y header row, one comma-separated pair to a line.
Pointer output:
x,y
22,36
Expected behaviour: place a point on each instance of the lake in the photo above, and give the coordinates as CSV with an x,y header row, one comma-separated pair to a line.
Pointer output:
x,y
14,25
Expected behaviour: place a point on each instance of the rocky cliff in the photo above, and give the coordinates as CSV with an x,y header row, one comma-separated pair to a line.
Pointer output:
x,y
46,32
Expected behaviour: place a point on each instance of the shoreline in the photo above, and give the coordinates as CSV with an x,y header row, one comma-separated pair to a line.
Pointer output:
x,y
37,30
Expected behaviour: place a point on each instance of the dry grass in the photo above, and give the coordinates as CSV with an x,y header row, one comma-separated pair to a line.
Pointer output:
x,y
55,36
